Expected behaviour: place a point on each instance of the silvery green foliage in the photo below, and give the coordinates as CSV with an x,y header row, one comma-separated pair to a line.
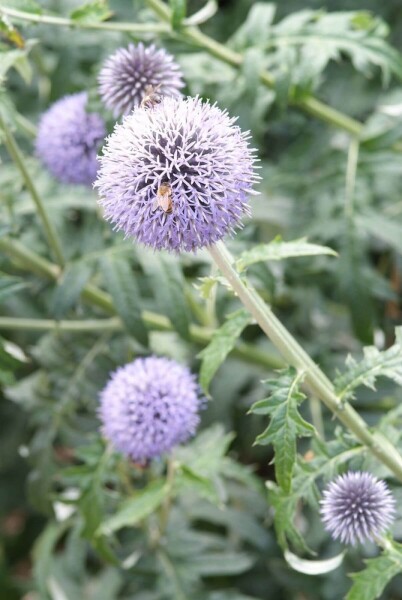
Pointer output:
x,y
216,518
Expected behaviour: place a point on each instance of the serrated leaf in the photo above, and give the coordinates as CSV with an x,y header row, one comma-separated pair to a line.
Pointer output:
x,y
178,12
278,250
255,28
223,341
322,37
369,583
69,288
137,508
92,12
286,423
168,284
375,363
121,285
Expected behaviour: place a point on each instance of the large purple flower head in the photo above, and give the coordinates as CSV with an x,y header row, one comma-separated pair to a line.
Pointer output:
x,y
357,507
68,140
126,75
176,176
149,406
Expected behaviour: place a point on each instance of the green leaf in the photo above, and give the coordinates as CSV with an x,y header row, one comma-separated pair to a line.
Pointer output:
x,y
255,28
17,59
369,583
92,12
381,227
179,10
29,6
218,564
10,285
187,479
168,284
69,288
223,341
286,423
321,37
374,364
278,250
120,282
137,508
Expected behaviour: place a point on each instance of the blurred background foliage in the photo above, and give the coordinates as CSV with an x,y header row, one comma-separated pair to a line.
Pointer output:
x,y
58,482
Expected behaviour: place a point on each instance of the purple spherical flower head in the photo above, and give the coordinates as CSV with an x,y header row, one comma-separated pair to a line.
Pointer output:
x,y
357,507
198,152
125,76
68,140
149,406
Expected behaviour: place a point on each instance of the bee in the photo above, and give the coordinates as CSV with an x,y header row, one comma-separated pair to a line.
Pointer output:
x,y
151,97
163,198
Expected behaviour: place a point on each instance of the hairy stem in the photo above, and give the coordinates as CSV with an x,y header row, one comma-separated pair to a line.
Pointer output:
x,y
296,356
29,261
16,155
65,22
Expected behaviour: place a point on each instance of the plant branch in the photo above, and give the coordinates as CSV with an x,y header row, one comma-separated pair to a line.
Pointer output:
x,y
29,261
296,356
309,104
65,22
16,155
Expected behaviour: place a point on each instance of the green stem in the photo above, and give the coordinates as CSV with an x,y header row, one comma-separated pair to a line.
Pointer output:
x,y
30,261
16,155
65,22
167,504
351,172
296,356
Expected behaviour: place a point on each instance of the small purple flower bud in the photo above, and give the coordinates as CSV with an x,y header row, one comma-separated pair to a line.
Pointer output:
x,y
126,75
149,406
357,507
68,140
176,176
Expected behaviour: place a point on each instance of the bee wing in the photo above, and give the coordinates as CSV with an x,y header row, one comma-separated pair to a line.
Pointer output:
x,y
164,201
155,204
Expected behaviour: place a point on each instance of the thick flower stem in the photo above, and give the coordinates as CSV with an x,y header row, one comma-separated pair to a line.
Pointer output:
x,y
296,356
16,155
34,263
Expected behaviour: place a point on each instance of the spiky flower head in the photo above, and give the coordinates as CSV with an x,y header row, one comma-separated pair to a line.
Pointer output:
x,y
68,140
176,176
126,75
357,507
149,406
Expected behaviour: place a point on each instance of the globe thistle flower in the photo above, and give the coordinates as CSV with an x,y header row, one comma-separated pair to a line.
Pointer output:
x,y
126,75
149,406
68,140
176,176
357,507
